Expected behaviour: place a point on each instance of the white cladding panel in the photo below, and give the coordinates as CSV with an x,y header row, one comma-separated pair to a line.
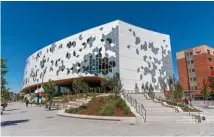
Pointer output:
x,y
102,39
145,57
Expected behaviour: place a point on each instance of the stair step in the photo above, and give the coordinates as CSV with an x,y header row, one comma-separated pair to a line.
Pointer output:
x,y
149,113
157,113
170,121
159,110
168,118
177,121
156,119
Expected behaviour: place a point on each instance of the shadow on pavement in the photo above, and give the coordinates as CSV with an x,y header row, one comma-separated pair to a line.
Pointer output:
x,y
13,123
12,109
51,109
8,113
23,111
49,117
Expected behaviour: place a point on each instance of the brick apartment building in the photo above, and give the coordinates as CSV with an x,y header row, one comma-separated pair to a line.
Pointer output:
x,y
194,65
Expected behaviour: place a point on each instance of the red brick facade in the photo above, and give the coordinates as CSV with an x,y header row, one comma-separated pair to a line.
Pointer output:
x,y
202,67
203,64
182,73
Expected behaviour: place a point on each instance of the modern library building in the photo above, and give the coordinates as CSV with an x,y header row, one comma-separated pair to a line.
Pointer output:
x,y
139,56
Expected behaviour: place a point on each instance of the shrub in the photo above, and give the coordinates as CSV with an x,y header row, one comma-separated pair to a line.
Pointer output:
x,y
73,110
65,100
71,98
42,102
111,97
84,106
87,94
102,100
108,109
126,110
97,109
122,105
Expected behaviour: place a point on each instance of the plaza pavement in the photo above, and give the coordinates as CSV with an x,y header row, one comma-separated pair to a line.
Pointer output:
x,y
36,121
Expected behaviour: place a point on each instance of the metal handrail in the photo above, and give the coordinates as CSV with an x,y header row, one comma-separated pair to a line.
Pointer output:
x,y
140,109
144,93
176,108
164,100
143,114
199,113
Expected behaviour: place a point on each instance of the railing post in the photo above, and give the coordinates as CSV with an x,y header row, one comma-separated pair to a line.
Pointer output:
x,y
188,110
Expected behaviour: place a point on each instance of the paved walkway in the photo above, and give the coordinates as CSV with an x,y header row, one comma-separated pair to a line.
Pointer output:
x,y
35,121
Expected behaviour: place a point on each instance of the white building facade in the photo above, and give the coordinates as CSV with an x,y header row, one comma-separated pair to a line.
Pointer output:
x,y
138,55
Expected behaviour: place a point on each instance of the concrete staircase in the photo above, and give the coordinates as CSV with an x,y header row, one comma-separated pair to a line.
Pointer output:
x,y
156,113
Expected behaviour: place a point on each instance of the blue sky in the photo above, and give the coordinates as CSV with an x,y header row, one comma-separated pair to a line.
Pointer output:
x,y
29,26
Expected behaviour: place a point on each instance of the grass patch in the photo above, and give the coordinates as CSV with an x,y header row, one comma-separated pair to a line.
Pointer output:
x,y
104,106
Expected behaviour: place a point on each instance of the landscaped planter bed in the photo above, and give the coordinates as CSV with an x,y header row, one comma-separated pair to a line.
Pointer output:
x,y
185,109
103,106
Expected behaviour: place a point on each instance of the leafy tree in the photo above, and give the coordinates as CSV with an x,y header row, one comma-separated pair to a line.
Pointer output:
x,y
79,85
115,84
143,87
5,95
150,93
204,91
151,89
32,96
112,84
178,93
170,83
163,85
147,86
211,85
136,88
50,91
104,85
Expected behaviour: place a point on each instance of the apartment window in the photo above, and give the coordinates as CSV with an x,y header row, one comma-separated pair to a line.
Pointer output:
x,y
192,61
190,79
211,68
190,53
208,51
189,70
187,54
210,60
194,79
196,87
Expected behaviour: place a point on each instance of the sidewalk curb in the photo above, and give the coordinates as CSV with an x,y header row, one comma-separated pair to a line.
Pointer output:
x,y
110,118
